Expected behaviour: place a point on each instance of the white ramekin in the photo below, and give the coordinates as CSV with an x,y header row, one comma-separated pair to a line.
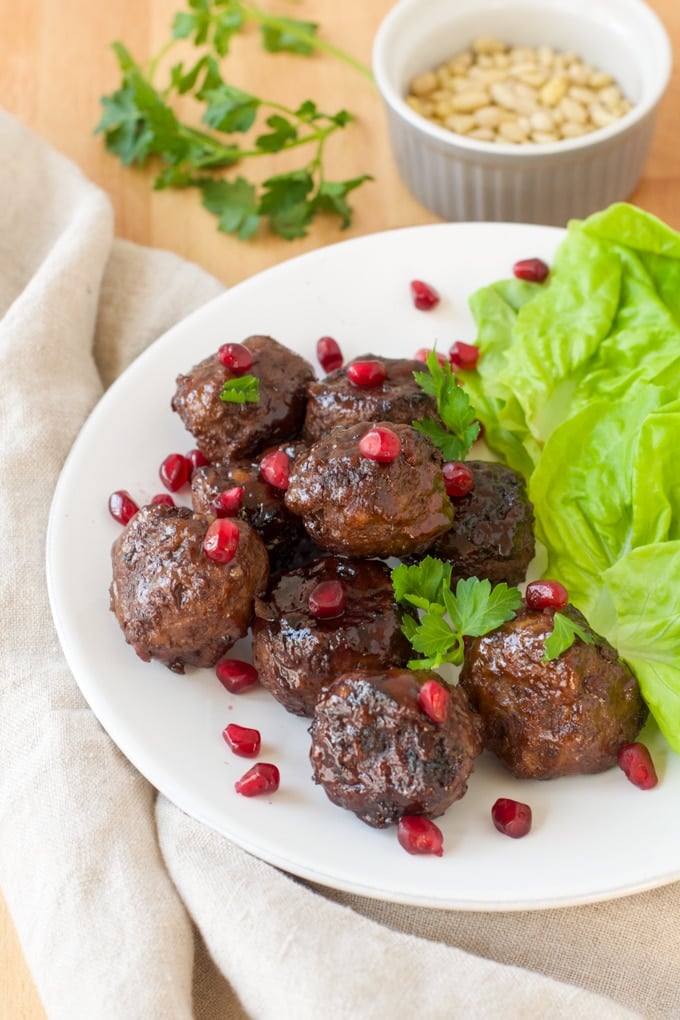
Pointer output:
x,y
459,178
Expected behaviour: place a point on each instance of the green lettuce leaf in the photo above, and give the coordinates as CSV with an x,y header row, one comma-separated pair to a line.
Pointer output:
x,y
577,387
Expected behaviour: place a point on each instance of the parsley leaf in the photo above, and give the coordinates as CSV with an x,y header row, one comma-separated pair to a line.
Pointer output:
x,y
459,427
242,389
447,618
564,633
141,125
235,205
290,35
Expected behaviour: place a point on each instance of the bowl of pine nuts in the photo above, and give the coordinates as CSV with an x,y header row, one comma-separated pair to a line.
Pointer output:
x,y
523,111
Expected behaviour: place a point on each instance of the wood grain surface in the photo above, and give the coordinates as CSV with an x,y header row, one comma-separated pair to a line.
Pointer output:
x,y
55,63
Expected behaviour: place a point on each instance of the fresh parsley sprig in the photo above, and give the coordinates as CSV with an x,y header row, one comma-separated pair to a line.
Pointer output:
x,y
242,389
564,632
460,427
139,124
445,618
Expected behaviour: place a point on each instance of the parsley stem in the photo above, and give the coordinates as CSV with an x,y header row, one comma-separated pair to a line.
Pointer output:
x,y
293,29
152,66
233,154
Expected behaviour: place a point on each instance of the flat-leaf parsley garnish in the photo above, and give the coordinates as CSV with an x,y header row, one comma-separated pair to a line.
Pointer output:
x,y
142,122
564,633
460,427
446,618
242,389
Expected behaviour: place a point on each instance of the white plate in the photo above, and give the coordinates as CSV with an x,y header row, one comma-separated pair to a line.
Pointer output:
x,y
593,837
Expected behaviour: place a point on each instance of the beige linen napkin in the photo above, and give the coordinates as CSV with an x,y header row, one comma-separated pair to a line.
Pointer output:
x,y
126,907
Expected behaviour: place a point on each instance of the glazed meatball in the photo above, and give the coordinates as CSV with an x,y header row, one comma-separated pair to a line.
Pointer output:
x,y
557,718
299,654
493,530
335,400
282,532
224,430
376,752
172,602
355,506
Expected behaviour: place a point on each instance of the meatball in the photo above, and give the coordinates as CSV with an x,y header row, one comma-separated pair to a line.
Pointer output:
x,y
376,752
172,602
493,530
355,506
335,401
557,718
282,532
224,430
298,655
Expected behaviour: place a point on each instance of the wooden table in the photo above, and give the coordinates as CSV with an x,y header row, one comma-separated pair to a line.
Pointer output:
x,y
55,63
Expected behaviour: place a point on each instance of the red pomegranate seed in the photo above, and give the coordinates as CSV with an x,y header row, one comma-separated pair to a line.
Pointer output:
x,y
122,506
546,595
329,354
367,374
196,459
236,358
423,352
462,355
425,296
380,444
636,762
418,835
434,699
262,778
458,479
175,471
533,270
221,540
228,503
162,499
236,675
243,740
275,469
327,599
511,817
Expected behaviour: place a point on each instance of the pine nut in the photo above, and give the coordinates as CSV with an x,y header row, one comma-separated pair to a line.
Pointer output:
x,y
495,92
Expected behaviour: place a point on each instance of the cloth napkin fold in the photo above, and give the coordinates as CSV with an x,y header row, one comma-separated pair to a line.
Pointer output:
x,y
126,907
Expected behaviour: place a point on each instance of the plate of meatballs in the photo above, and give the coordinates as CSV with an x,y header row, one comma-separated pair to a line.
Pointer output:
x,y
222,554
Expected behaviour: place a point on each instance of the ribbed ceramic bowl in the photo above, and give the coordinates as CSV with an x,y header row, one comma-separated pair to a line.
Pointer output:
x,y
459,178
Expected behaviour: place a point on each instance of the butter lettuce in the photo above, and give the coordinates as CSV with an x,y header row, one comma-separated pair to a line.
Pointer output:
x,y
578,388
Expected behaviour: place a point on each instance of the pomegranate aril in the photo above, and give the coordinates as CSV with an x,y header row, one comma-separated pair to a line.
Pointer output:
x,y
275,469
262,778
419,835
329,354
380,444
533,270
162,499
423,352
636,762
546,595
196,459
243,740
511,817
424,295
458,479
462,355
236,675
175,471
236,358
122,506
367,374
327,600
434,699
228,503
221,540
